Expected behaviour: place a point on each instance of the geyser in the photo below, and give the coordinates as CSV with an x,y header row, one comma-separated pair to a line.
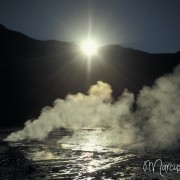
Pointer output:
x,y
156,121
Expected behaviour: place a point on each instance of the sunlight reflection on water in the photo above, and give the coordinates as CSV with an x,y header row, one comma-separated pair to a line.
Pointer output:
x,y
82,153
78,154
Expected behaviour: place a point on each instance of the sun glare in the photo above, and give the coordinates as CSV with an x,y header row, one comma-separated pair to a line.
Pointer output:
x,y
89,47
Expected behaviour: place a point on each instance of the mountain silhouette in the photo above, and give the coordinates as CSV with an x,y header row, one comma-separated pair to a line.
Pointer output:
x,y
34,73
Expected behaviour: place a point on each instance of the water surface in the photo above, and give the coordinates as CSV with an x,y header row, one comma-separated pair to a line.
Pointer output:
x,y
78,154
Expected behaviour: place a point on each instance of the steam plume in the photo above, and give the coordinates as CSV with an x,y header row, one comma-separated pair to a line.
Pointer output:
x,y
156,121
77,111
159,111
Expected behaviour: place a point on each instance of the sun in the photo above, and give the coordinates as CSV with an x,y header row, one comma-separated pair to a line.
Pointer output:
x,y
89,47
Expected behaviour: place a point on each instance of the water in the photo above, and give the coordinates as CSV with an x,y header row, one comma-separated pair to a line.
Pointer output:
x,y
78,154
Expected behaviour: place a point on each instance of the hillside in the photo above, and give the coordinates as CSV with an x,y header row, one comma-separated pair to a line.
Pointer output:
x,y
34,73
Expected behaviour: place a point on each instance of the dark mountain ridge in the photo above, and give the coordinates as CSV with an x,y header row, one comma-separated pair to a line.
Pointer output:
x,y
34,73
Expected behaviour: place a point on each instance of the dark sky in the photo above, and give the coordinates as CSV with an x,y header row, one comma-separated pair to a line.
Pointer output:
x,y
149,25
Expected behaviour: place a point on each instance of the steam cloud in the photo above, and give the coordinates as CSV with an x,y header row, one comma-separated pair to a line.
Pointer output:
x,y
155,122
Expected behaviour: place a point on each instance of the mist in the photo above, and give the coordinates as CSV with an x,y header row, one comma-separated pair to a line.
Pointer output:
x,y
155,123
158,114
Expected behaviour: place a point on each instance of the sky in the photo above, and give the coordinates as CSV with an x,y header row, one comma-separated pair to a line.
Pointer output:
x,y
148,25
